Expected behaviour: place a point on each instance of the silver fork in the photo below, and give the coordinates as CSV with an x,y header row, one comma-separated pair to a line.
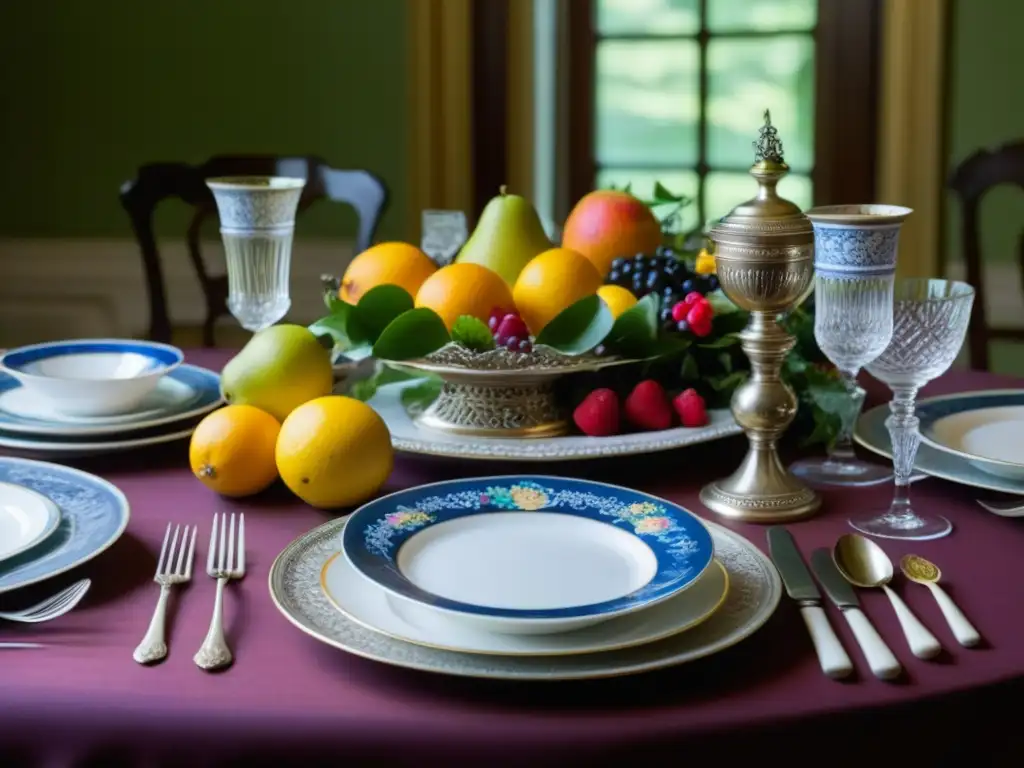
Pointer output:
x,y
52,607
1004,508
153,647
222,565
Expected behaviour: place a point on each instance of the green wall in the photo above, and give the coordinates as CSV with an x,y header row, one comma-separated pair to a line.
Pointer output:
x,y
91,89
986,110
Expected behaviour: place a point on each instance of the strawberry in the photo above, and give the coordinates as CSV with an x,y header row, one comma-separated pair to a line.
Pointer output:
x,y
598,414
690,407
647,406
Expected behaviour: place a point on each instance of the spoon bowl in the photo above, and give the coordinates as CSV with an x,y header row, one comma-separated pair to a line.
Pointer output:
x,y
922,571
865,564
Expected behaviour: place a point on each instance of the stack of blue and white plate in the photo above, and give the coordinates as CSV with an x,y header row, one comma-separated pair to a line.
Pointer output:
x,y
92,396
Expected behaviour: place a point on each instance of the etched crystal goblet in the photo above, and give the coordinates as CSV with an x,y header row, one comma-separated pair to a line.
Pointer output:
x,y
930,319
853,326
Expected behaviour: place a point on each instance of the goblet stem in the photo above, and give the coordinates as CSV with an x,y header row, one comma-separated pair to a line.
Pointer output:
x,y
905,436
842,449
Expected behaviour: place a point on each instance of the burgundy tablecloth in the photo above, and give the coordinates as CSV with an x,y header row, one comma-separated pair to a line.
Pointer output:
x,y
289,699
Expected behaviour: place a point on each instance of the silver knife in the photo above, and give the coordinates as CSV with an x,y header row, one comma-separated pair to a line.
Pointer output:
x,y
19,646
881,660
800,586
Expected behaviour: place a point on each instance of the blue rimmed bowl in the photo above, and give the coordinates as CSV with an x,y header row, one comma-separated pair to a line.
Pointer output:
x,y
527,554
91,377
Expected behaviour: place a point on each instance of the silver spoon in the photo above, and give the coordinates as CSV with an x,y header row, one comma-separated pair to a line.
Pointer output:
x,y
865,564
924,572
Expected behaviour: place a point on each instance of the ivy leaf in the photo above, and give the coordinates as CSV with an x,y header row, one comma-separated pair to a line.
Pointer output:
x,y
473,334
416,398
636,330
412,334
579,327
375,311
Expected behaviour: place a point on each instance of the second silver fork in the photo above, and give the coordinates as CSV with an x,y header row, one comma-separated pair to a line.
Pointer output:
x,y
222,565
153,647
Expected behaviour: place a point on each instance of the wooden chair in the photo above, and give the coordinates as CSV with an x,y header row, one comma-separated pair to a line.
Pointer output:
x,y
157,182
971,181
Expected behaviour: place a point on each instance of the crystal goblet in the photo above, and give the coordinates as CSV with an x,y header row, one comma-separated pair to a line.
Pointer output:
x,y
852,325
257,224
930,319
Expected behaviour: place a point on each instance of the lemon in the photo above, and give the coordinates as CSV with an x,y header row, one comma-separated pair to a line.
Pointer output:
x,y
617,298
334,451
232,450
551,282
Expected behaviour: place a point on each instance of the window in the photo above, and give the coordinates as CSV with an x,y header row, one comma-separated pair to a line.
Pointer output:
x,y
674,90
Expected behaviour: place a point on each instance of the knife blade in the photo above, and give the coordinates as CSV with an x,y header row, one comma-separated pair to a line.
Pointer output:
x,y
800,586
881,660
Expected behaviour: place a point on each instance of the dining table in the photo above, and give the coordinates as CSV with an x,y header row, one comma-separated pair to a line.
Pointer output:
x,y
81,700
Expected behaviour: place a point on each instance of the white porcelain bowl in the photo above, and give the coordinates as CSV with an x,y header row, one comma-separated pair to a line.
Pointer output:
x,y
91,377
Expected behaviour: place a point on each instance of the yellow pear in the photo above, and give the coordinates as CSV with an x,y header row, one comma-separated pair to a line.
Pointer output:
x,y
507,236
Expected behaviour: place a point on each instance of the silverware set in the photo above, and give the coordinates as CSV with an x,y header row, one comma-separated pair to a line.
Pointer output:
x,y
225,562
856,561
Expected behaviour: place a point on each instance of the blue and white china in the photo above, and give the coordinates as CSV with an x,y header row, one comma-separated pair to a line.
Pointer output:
x,y
858,239
872,434
186,392
527,554
92,377
26,518
248,203
754,593
985,428
412,623
408,437
94,514
69,448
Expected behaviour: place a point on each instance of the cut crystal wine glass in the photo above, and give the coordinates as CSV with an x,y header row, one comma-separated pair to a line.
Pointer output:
x,y
930,319
852,325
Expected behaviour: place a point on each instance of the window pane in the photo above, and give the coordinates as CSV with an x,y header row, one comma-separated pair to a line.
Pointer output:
x,y
762,15
724,191
746,76
653,17
642,185
647,103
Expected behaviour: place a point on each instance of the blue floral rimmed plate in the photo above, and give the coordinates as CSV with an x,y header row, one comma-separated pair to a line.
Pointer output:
x,y
527,554
186,392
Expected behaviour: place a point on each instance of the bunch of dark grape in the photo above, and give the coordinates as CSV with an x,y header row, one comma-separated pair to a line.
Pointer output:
x,y
664,274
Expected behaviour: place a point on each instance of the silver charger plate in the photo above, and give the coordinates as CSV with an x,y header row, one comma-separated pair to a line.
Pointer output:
x,y
408,437
754,593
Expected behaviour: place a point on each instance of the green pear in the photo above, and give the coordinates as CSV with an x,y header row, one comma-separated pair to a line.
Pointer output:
x,y
506,237
281,368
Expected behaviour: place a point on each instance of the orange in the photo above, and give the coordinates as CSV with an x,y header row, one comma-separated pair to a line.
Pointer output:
x,y
398,264
617,298
232,450
334,452
464,289
550,282
607,224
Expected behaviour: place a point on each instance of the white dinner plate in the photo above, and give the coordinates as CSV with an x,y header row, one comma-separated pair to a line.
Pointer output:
x,y
407,437
375,609
985,428
754,593
26,518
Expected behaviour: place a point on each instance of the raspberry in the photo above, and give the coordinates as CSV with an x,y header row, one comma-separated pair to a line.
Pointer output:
x,y
679,311
647,406
693,298
690,407
700,311
598,414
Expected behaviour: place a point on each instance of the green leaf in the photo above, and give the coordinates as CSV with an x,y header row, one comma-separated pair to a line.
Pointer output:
x,y
334,302
473,334
689,371
727,340
636,330
334,325
721,303
416,398
375,311
364,389
412,334
727,382
662,195
358,352
579,327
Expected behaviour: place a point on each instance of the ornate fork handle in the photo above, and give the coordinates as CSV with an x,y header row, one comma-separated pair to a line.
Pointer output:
x,y
153,647
214,652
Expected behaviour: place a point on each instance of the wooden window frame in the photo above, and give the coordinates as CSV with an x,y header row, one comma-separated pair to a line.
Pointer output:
x,y
847,58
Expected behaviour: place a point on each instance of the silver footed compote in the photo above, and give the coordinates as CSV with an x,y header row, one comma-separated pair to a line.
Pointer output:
x,y
930,319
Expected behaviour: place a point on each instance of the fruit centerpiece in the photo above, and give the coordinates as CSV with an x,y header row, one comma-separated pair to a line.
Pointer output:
x,y
620,328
